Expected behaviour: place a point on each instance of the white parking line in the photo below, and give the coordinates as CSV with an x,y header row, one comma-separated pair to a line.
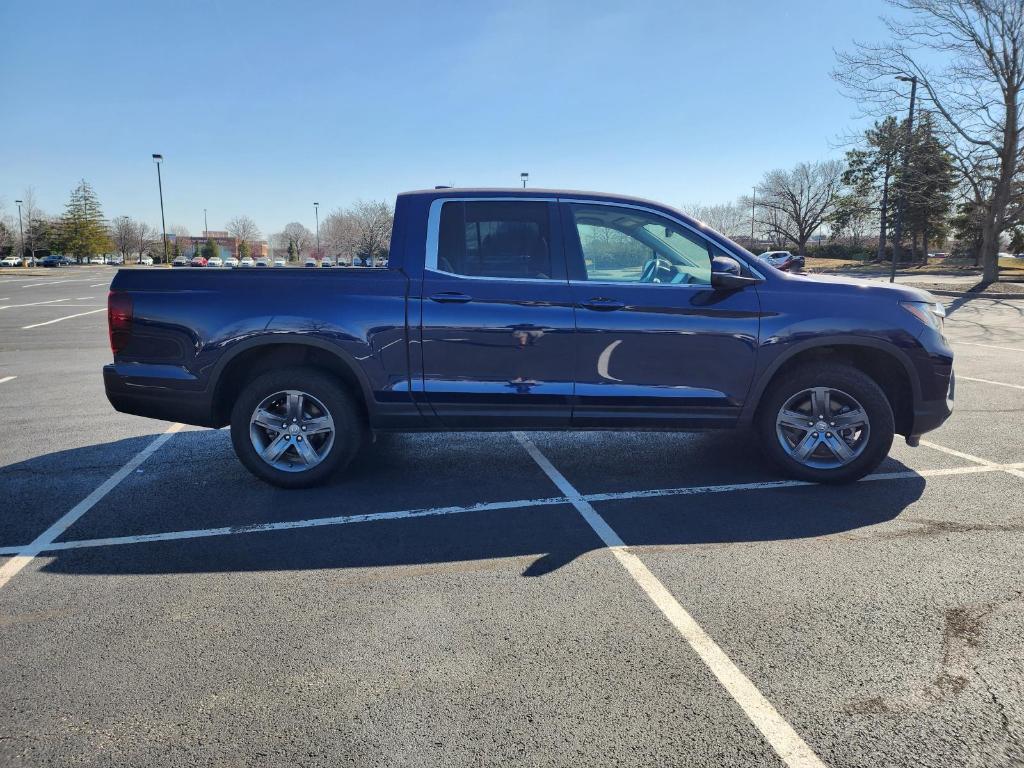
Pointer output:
x,y
988,346
786,742
373,517
27,554
33,304
59,319
1013,469
989,381
5,379
97,285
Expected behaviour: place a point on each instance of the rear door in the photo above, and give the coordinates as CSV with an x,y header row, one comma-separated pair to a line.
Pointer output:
x,y
497,317
656,345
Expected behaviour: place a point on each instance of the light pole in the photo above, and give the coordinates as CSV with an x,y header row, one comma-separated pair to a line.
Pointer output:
x,y
160,184
524,176
21,234
206,224
316,212
898,233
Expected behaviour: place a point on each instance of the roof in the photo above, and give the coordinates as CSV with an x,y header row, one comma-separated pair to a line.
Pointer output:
x,y
531,192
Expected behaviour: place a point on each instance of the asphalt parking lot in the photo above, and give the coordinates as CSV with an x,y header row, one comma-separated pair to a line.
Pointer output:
x,y
474,599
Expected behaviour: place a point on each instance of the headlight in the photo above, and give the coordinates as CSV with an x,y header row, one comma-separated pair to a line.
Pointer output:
x,y
931,314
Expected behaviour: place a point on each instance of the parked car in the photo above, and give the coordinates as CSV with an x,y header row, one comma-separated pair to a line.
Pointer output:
x,y
180,261
55,260
98,260
280,263
675,327
326,261
197,261
784,260
247,262
215,261
262,261
309,262
230,261
11,261
147,261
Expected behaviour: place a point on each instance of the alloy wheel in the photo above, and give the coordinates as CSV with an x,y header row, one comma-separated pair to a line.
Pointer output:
x,y
292,431
822,428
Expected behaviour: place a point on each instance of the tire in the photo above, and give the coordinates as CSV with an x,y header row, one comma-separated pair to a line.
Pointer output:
x,y
850,392
297,457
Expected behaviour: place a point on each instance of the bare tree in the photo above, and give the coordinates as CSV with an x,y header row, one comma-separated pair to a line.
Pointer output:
x,y
32,214
968,56
732,219
146,237
374,221
124,234
243,229
297,235
792,204
363,231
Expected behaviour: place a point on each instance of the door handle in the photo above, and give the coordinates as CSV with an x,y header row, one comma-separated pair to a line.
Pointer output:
x,y
601,304
451,297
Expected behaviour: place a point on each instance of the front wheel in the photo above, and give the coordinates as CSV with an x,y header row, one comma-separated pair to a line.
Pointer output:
x,y
826,423
293,428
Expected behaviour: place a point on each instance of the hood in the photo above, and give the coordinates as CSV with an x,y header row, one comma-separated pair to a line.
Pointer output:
x,y
846,285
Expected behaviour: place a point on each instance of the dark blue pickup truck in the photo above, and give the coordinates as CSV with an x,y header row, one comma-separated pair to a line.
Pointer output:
x,y
513,309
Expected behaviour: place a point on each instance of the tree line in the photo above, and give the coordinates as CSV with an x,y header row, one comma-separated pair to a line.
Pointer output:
x,y
361,232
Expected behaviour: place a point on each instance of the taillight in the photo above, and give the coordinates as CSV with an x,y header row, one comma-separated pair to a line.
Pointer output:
x,y
119,320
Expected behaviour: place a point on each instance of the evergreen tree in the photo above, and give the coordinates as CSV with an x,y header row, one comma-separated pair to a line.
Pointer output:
x,y
83,230
871,170
292,250
243,250
210,249
929,185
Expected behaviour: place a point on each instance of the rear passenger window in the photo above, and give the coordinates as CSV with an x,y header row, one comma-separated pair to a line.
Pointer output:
x,y
502,239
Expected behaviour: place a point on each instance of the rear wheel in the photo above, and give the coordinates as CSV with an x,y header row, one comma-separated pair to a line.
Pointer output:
x,y
295,427
827,423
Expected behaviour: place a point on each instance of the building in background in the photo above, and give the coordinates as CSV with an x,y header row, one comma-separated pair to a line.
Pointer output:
x,y
226,244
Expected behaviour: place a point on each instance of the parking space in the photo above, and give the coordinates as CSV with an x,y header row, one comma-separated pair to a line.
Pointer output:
x,y
452,600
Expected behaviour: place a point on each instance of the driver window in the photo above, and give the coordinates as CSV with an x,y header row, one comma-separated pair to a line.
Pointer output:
x,y
625,245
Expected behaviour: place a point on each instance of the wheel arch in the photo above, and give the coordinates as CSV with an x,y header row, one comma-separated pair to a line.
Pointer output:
x,y
885,363
254,357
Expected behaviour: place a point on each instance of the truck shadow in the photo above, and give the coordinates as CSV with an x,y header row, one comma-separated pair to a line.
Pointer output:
x,y
176,492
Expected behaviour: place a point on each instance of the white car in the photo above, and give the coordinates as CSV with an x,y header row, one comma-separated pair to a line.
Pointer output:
x,y
263,261
247,262
180,261
280,263
11,261
215,261
230,261
326,262
147,261
309,262
97,260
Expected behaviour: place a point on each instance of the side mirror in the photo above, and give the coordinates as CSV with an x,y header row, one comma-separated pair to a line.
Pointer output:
x,y
727,274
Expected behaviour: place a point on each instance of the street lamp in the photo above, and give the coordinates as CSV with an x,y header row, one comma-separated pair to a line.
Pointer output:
x,y
160,184
206,224
524,176
316,212
898,233
21,234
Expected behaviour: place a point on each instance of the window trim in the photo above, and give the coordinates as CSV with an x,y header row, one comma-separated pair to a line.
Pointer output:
x,y
434,229
656,212
434,224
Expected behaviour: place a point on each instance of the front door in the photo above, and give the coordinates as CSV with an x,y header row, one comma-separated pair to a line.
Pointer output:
x,y
656,345
497,315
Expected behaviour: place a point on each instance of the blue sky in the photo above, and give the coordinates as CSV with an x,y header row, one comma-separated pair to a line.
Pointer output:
x,y
260,108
